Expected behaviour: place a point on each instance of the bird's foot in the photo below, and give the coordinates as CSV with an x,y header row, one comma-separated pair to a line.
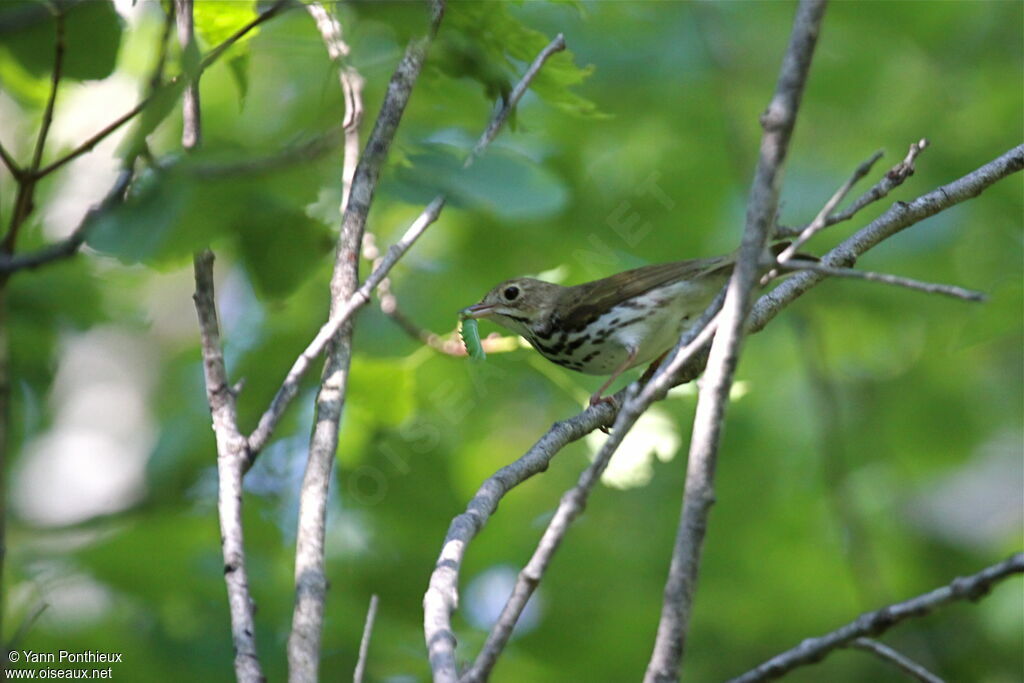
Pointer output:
x,y
596,400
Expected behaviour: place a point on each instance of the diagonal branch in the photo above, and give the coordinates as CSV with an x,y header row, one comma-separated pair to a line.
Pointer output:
x,y
820,221
310,578
10,163
268,421
698,496
388,301
364,644
813,650
58,65
69,245
556,45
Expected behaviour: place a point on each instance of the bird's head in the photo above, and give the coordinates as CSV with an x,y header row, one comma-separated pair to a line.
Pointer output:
x,y
521,305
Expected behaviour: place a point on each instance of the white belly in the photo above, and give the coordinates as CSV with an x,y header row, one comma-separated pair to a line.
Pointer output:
x,y
650,323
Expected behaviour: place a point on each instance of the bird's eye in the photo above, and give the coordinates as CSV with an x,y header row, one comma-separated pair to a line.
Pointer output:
x,y
511,293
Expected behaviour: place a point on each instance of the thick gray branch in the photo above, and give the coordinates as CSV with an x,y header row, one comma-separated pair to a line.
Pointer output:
x,y
814,650
231,457
778,122
310,579
232,448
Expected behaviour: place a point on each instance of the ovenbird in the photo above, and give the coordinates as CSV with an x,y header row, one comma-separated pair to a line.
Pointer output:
x,y
608,326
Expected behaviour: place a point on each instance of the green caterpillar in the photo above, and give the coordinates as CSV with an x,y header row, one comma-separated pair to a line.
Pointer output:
x,y
471,338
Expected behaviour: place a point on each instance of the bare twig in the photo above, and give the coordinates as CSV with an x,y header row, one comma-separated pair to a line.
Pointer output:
x,y
364,644
26,625
191,131
351,87
556,45
388,301
813,650
156,76
69,245
214,54
310,578
231,458
205,63
885,278
58,64
899,660
442,596
893,178
232,447
10,163
23,202
449,344
899,216
259,437
821,220
778,122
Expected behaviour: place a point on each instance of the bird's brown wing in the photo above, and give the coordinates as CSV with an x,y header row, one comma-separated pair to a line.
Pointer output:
x,y
582,304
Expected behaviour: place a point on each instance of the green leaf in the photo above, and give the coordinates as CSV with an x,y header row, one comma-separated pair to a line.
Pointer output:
x,y
92,36
504,182
187,205
141,229
280,245
215,22
485,42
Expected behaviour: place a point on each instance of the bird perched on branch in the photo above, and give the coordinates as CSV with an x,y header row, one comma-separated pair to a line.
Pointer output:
x,y
608,326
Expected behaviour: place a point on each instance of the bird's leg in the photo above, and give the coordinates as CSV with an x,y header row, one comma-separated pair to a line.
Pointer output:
x,y
626,364
652,368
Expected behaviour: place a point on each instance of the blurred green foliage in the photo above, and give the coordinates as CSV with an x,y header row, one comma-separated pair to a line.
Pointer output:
x,y
865,410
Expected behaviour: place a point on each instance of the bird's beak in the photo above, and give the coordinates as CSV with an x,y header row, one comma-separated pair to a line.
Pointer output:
x,y
477,311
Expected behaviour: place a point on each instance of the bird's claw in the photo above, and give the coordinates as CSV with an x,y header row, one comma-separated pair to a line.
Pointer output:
x,y
597,400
